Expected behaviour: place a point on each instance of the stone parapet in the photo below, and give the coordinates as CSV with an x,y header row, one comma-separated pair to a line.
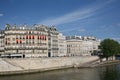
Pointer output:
x,y
23,65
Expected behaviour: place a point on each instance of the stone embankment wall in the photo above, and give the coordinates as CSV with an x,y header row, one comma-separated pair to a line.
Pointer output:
x,y
25,64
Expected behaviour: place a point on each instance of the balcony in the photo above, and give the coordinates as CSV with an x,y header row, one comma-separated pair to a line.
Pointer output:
x,y
25,47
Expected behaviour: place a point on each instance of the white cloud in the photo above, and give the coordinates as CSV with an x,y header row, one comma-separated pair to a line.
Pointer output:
x,y
1,14
75,15
117,39
70,17
78,29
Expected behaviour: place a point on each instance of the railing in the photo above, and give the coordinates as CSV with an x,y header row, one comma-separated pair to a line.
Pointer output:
x,y
24,48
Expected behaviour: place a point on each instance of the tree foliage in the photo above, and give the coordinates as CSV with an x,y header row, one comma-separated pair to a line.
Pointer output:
x,y
110,47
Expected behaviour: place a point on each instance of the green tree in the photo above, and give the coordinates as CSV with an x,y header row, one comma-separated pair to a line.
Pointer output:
x,y
109,48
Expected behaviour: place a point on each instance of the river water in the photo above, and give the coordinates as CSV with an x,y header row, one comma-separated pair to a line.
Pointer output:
x,y
111,72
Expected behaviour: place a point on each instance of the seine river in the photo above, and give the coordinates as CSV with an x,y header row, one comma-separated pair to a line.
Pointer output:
x,y
111,72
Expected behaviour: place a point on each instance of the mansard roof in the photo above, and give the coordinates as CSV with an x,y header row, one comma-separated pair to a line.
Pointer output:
x,y
25,27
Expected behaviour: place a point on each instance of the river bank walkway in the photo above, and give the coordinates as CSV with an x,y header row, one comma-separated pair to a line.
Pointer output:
x,y
97,63
106,63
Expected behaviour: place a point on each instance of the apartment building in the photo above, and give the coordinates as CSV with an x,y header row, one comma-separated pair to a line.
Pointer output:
x,y
24,41
77,45
43,41
1,42
52,41
62,45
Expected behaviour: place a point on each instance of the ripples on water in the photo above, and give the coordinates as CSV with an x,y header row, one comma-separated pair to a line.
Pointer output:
x,y
102,73
110,72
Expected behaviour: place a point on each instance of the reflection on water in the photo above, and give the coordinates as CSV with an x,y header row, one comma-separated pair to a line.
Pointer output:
x,y
101,73
110,72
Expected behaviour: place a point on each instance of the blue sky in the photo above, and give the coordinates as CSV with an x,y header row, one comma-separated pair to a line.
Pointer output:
x,y
100,18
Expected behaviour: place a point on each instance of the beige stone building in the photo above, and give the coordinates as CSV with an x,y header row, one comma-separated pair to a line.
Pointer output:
x,y
1,42
62,45
24,41
43,41
77,45
29,41
52,42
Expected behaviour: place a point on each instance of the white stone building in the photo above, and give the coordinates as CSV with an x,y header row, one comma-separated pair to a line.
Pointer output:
x,y
29,41
52,42
77,45
1,42
62,45
43,41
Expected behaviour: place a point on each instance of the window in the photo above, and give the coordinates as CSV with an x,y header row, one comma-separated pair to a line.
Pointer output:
x,y
27,42
38,37
16,37
20,37
27,37
13,39
42,37
23,37
6,42
17,41
33,42
45,37
13,43
49,38
20,41
33,37
29,32
8,39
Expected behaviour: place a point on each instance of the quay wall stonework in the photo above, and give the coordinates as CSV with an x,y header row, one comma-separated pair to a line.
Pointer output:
x,y
24,64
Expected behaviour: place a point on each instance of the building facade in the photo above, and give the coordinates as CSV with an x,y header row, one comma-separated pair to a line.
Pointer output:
x,y
25,41
1,42
52,42
62,45
43,41
77,45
